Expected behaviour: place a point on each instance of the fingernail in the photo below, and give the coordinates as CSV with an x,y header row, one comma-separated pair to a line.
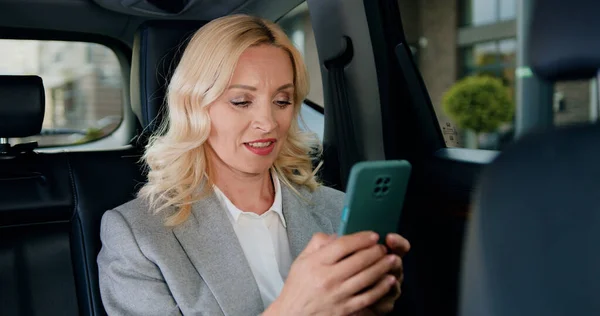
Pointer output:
x,y
392,258
374,237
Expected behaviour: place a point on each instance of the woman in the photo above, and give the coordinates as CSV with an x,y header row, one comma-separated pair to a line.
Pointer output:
x,y
232,220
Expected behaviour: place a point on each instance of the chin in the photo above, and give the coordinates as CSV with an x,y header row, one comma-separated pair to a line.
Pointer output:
x,y
256,167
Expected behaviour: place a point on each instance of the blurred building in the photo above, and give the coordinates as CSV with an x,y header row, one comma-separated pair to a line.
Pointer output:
x,y
83,85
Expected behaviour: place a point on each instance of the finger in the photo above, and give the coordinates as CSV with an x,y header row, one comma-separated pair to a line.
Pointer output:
x,y
399,274
383,306
369,276
318,241
397,269
368,298
386,304
359,261
396,290
346,245
397,244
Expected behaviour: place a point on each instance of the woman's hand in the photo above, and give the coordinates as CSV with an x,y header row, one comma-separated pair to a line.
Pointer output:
x,y
399,246
337,276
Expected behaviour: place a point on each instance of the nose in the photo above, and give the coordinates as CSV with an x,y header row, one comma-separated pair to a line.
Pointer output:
x,y
264,118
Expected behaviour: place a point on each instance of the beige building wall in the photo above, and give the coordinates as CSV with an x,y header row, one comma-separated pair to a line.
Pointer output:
x,y
431,26
438,60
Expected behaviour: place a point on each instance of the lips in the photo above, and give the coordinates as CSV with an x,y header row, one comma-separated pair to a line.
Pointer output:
x,y
261,147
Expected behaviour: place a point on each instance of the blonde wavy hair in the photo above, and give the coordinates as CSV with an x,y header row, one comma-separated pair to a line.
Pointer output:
x,y
177,165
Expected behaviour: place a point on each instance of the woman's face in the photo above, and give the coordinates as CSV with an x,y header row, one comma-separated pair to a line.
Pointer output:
x,y
251,119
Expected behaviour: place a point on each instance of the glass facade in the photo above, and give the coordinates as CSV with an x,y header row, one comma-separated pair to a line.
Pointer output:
x,y
482,12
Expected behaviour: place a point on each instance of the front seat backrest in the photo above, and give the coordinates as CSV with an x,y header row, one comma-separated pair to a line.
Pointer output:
x,y
532,241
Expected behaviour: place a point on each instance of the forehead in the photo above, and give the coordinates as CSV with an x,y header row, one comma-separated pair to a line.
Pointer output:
x,y
264,62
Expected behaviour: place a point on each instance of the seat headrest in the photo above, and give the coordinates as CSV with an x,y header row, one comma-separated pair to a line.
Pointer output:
x,y
157,49
22,103
532,243
563,39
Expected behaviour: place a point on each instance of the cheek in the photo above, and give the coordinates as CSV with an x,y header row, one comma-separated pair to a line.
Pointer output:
x,y
221,124
285,119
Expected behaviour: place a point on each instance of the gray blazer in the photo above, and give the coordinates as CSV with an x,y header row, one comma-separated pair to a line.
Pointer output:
x,y
198,267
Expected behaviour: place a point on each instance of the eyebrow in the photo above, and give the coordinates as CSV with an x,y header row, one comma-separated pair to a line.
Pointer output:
x,y
251,88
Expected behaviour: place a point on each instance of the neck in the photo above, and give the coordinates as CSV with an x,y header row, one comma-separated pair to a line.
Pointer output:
x,y
248,192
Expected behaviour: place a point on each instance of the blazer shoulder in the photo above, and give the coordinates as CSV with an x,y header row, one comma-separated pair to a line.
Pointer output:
x,y
328,195
328,201
139,216
134,210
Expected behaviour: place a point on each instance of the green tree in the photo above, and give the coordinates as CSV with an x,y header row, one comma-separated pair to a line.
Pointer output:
x,y
479,103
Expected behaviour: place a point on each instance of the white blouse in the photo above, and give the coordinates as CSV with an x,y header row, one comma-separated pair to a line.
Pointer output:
x,y
265,243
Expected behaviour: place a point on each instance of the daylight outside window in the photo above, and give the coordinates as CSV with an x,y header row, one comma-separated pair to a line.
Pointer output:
x,y
298,27
83,86
478,38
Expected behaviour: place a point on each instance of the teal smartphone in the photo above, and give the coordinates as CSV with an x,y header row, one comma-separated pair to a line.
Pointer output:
x,y
375,197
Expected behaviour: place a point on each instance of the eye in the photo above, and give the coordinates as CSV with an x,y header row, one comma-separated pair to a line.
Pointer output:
x,y
283,103
241,104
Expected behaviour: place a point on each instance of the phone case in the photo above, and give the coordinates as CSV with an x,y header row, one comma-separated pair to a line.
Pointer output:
x,y
375,196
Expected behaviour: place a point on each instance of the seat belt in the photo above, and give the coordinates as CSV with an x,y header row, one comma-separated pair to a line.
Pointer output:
x,y
345,152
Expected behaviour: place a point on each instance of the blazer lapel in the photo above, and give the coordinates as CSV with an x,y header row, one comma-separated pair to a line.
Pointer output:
x,y
303,219
213,248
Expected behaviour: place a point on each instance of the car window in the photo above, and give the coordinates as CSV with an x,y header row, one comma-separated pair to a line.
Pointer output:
x,y
313,120
298,27
83,86
462,50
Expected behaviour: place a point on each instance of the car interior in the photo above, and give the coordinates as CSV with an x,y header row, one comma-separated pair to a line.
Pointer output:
x,y
509,230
